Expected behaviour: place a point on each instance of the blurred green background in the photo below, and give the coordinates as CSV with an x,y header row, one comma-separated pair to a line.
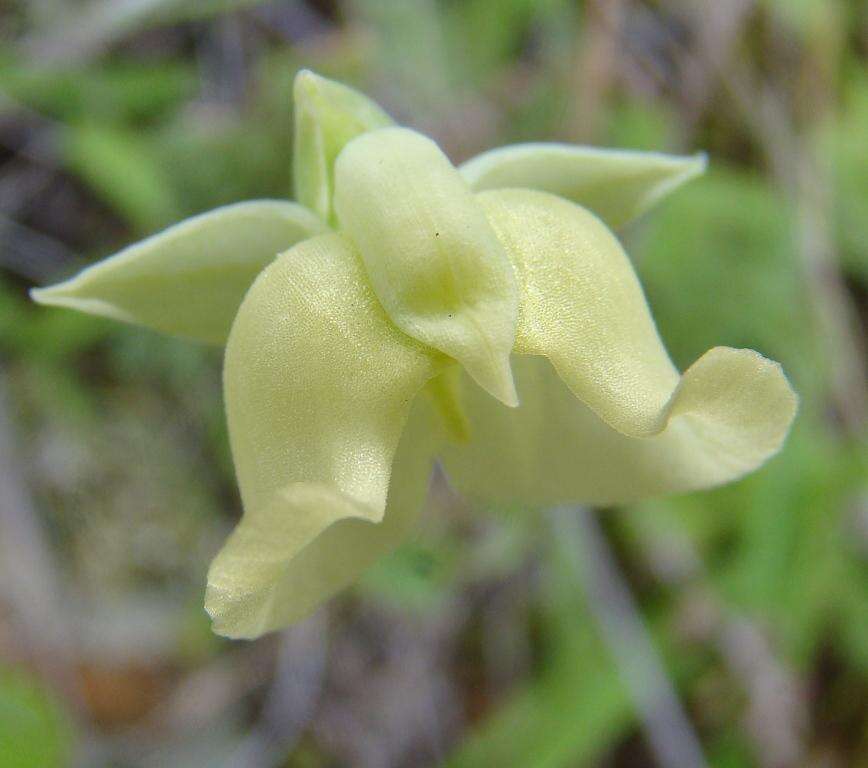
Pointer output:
x,y
726,628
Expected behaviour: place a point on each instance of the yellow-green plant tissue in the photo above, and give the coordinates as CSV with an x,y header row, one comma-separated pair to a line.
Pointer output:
x,y
404,310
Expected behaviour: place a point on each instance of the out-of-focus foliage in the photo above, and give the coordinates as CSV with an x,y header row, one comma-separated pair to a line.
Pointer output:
x,y
722,253
846,146
475,643
33,729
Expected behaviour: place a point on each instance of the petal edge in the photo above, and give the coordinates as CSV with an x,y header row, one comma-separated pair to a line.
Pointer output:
x,y
607,418
189,279
619,185
318,388
431,256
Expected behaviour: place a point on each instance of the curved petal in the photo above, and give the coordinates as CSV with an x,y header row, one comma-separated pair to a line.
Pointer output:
x,y
318,386
327,115
556,450
431,256
617,184
642,428
190,279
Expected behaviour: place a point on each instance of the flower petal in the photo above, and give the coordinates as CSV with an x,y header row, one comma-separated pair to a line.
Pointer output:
x,y
318,386
555,450
432,257
617,184
190,279
640,429
327,115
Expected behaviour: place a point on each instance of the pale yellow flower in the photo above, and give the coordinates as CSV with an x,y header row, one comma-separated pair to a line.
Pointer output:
x,y
405,310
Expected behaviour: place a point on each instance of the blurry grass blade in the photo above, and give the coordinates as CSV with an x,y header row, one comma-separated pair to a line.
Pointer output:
x,y
816,21
124,171
190,279
80,32
318,387
327,115
618,185
434,261
122,91
640,428
809,516
34,731
567,718
844,143
537,726
409,44
494,45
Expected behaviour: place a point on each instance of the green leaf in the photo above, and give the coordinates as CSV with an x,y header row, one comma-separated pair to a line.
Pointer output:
x,y
327,116
124,171
568,718
478,49
318,387
618,185
84,28
844,143
432,257
34,732
190,279
124,91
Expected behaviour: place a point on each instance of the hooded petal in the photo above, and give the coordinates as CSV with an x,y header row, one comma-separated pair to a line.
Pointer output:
x,y
432,257
617,184
190,279
327,116
318,386
638,428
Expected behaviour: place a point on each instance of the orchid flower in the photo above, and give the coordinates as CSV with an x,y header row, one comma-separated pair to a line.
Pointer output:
x,y
405,309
